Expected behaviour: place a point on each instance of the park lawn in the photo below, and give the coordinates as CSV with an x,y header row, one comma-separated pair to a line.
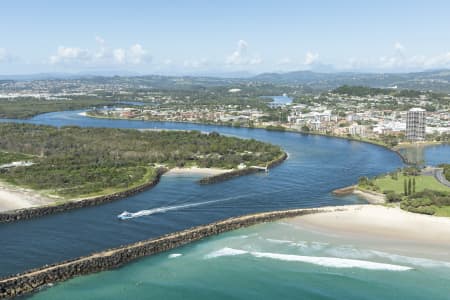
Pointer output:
x,y
386,183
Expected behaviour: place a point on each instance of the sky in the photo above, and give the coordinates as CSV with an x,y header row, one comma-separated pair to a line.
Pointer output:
x,y
222,37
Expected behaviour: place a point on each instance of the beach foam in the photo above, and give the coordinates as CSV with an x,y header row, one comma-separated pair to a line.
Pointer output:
x,y
417,261
332,262
301,244
174,255
226,252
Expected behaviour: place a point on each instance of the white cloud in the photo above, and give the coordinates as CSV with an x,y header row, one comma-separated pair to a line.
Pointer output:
x,y
400,62
398,46
119,55
311,58
240,56
137,54
5,56
70,55
102,55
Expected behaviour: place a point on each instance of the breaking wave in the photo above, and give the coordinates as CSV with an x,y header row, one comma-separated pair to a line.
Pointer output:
x,y
332,262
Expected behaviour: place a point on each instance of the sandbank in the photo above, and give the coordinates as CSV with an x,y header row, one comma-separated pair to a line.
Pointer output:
x,y
387,227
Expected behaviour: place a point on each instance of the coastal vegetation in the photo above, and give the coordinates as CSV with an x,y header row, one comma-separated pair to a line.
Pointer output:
x,y
446,168
78,162
6,157
25,108
416,193
362,91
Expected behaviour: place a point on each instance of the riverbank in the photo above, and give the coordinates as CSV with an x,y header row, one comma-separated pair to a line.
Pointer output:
x,y
197,170
242,172
418,144
57,207
12,198
274,128
18,204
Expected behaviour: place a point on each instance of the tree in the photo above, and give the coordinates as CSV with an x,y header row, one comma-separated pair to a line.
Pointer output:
x,y
409,186
405,188
393,197
305,128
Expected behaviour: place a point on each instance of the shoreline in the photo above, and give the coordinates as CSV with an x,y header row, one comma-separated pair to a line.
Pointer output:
x,y
31,204
374,223
197,170
242,172
370,196
393,149
55,207
16,197
388,227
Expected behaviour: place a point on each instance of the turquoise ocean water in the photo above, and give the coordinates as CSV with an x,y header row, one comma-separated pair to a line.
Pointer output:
x,y
268,261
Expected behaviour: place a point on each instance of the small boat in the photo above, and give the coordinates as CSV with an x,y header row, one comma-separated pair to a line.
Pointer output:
x,y
125,215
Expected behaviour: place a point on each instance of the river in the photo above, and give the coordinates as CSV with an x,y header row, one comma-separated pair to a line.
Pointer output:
x,y
316,166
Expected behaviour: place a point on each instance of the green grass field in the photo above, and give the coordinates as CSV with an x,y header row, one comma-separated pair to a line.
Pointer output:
x,y
386,183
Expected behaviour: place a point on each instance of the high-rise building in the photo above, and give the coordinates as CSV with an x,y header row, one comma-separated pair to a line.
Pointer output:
x,y
415,124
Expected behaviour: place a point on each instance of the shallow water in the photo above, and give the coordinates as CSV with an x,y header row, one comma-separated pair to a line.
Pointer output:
x,y
268,261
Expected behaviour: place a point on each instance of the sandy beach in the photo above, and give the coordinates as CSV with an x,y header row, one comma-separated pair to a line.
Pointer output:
x,y
15,198
386,227
196,170
12,197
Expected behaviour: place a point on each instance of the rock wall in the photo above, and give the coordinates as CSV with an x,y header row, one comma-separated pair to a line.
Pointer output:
x,y
33,212
33,280
344,191
242,172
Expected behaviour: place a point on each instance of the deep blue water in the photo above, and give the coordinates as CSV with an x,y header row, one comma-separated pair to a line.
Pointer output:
x,y
315,167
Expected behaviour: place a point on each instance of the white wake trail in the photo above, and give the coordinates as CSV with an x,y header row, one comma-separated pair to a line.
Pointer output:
x,y
129,215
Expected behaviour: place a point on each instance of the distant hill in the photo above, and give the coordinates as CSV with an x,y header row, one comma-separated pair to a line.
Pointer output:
x,y
438,80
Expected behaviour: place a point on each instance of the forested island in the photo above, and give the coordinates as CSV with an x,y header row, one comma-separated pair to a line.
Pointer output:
x,y
74,162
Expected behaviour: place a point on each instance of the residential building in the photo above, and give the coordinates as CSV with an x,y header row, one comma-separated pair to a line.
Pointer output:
x,y
415,124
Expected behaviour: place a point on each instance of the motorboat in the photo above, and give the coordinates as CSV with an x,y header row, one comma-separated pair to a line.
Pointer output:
x,y
125,215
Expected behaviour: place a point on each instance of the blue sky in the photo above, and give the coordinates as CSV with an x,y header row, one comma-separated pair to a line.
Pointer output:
x,y
193,37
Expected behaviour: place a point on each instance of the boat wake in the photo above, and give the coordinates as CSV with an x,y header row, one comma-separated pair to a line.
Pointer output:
x,y
332,262
129,215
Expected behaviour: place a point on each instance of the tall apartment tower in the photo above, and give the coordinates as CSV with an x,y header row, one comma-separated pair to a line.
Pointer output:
x,y
415,124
